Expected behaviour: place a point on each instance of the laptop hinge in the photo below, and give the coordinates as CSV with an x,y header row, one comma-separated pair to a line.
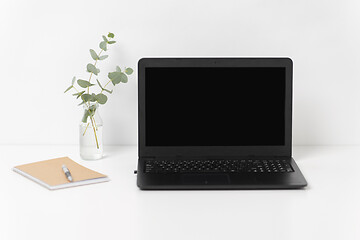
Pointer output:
x,y
148,158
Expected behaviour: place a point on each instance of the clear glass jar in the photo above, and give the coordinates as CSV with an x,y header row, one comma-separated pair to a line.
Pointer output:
x,y
90,135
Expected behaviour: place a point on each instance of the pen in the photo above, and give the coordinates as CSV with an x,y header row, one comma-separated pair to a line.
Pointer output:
x,y
67,173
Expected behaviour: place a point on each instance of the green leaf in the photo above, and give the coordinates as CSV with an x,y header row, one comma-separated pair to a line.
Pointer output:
x,y
99,84
103,57
108,91
102,45
68,89
78,94
94,55
111,35
123,77
81,103
118,69
117,77
88,98
111,42
91,68
114,77
101,98
81,93
84,84
129,71
93,99
105,39
72,84
85,117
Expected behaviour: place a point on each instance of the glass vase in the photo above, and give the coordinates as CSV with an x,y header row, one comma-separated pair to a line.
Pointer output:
x,y
90,133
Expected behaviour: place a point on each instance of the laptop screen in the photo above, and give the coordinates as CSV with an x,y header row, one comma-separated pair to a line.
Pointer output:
x,y
218,106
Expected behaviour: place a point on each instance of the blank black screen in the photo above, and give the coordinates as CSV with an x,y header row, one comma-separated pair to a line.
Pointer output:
x,y
214,106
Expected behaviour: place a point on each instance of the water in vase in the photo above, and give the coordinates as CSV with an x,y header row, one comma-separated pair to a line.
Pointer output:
x,y
91,147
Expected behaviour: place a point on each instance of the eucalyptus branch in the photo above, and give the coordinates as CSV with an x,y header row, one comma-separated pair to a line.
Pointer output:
x,y
94,65
116,77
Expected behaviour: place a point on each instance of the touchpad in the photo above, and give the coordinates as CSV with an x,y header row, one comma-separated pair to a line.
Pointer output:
x,y
211,179
193,179
217,179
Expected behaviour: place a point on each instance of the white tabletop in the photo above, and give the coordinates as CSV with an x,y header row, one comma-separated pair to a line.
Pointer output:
x,y
329,208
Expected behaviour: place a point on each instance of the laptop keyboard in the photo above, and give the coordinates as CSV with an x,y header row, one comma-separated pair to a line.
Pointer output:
x,y
218,166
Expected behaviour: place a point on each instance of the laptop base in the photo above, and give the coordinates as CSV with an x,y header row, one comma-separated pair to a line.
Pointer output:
x,y
220,181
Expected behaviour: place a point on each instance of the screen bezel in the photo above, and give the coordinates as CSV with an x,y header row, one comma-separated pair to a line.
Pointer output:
x,y
214,151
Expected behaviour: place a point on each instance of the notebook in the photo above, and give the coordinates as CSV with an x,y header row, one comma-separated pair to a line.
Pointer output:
x,y
49,173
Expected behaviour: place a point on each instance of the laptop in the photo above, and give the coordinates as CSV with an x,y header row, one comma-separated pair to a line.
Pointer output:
x,y
216,123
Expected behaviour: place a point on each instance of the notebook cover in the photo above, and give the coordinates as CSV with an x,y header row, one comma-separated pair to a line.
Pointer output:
x,y
50,171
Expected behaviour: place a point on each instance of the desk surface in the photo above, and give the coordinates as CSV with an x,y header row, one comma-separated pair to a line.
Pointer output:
x,y
329,208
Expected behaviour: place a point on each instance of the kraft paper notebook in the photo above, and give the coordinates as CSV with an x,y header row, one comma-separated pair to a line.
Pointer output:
x,y
49,173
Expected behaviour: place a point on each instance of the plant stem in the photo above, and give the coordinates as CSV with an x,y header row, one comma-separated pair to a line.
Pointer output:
x,y
95,124
105,86
88,89
75,89
86,129
89,81
92,123
99,56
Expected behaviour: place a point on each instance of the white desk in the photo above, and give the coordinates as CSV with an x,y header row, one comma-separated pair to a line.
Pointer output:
x,y
328,209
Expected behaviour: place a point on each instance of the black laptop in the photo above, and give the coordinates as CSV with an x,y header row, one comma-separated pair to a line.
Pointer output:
x,y
216,123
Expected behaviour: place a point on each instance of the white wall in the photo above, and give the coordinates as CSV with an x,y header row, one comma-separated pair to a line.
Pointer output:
x,y
45,43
